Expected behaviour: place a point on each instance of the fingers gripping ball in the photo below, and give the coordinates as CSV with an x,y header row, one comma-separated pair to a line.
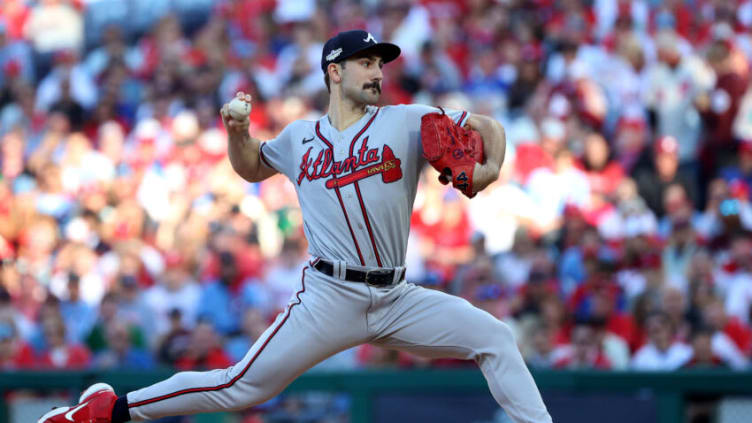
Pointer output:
x,y
239,108
452,150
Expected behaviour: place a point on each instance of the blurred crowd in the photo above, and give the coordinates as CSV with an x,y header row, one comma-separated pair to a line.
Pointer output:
x,y
618,236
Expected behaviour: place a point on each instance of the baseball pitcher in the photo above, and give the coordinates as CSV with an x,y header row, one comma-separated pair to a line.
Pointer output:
x,y
356,172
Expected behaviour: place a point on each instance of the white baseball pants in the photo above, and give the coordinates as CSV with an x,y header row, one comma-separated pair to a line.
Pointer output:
x,y
328,315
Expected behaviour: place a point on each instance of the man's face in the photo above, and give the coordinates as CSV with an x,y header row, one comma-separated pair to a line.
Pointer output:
x,y
361,79
667,164
659,332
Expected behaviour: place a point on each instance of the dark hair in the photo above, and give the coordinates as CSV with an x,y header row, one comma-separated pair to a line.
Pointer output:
x,y
326,77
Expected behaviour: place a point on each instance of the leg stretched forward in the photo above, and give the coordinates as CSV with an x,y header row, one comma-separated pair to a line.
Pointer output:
x,y
438,325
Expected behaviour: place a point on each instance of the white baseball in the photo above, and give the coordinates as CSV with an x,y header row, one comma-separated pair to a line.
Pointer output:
x,y
239,109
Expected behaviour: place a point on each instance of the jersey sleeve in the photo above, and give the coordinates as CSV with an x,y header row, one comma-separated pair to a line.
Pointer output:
x,y
277,153
415,112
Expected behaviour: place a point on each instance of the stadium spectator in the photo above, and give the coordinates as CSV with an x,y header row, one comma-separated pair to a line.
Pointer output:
x,y
477,274
54,25
540,352
714,315
614,347
110,314
730,340
612,324
77,277
176,290
738,175
68,88
710,223
739,284
444,227
131,307
630,216
677,254
15,354
674,82
77,314
171,347
253,324
719,106
660,170
551,189
515,264
603,172
539,287
674,304
15,61
280,274
662,352
217,304
120,353
584,352
702,353
11,309
572,271
204,351
58,352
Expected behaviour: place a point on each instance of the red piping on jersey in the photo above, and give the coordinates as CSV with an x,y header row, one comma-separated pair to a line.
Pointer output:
x,y
462,117
368,224
261,153
339,197
357,191
242,373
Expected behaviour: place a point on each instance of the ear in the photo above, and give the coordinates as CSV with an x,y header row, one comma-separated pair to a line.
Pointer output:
x,y
335,72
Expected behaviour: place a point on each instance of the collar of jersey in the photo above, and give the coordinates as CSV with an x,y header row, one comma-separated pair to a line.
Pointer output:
x,y
354,127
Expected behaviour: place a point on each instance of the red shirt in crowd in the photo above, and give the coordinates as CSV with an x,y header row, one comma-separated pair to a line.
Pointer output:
x,y
598,362
216,358
606,180
622,325
739,333
530,157
22,358
70,357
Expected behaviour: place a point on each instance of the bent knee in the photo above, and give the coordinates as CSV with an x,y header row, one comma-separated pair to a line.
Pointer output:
x,y
492,337
244,395
502,336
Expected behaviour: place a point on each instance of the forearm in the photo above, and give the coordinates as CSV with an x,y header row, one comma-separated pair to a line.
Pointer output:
x,y
243,151
494,149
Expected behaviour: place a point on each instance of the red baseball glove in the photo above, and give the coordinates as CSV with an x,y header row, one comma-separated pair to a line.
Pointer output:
x,y
451,149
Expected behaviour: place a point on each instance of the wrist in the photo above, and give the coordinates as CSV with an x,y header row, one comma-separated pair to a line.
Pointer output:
x,y
484,175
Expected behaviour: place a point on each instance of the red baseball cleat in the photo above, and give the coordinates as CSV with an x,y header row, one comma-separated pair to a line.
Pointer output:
x,y
94,406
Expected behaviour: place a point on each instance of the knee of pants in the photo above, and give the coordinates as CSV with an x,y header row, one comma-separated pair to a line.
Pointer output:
x,y
495,339
251,390
246,394
243,399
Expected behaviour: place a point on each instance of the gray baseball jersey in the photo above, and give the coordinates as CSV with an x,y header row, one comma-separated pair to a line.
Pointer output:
x,y
356,188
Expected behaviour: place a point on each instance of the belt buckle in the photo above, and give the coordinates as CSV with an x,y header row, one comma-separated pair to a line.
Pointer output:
x,y
376,272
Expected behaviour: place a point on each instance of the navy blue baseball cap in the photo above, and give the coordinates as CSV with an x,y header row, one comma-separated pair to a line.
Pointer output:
x,y
348,43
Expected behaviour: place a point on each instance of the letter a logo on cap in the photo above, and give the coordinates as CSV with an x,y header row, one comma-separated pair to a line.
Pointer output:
x,y
369,38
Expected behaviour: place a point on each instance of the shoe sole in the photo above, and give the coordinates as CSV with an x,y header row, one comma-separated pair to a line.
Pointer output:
x,y
91,390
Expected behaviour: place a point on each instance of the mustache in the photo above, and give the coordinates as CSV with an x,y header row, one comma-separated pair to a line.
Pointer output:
x,y
370,85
